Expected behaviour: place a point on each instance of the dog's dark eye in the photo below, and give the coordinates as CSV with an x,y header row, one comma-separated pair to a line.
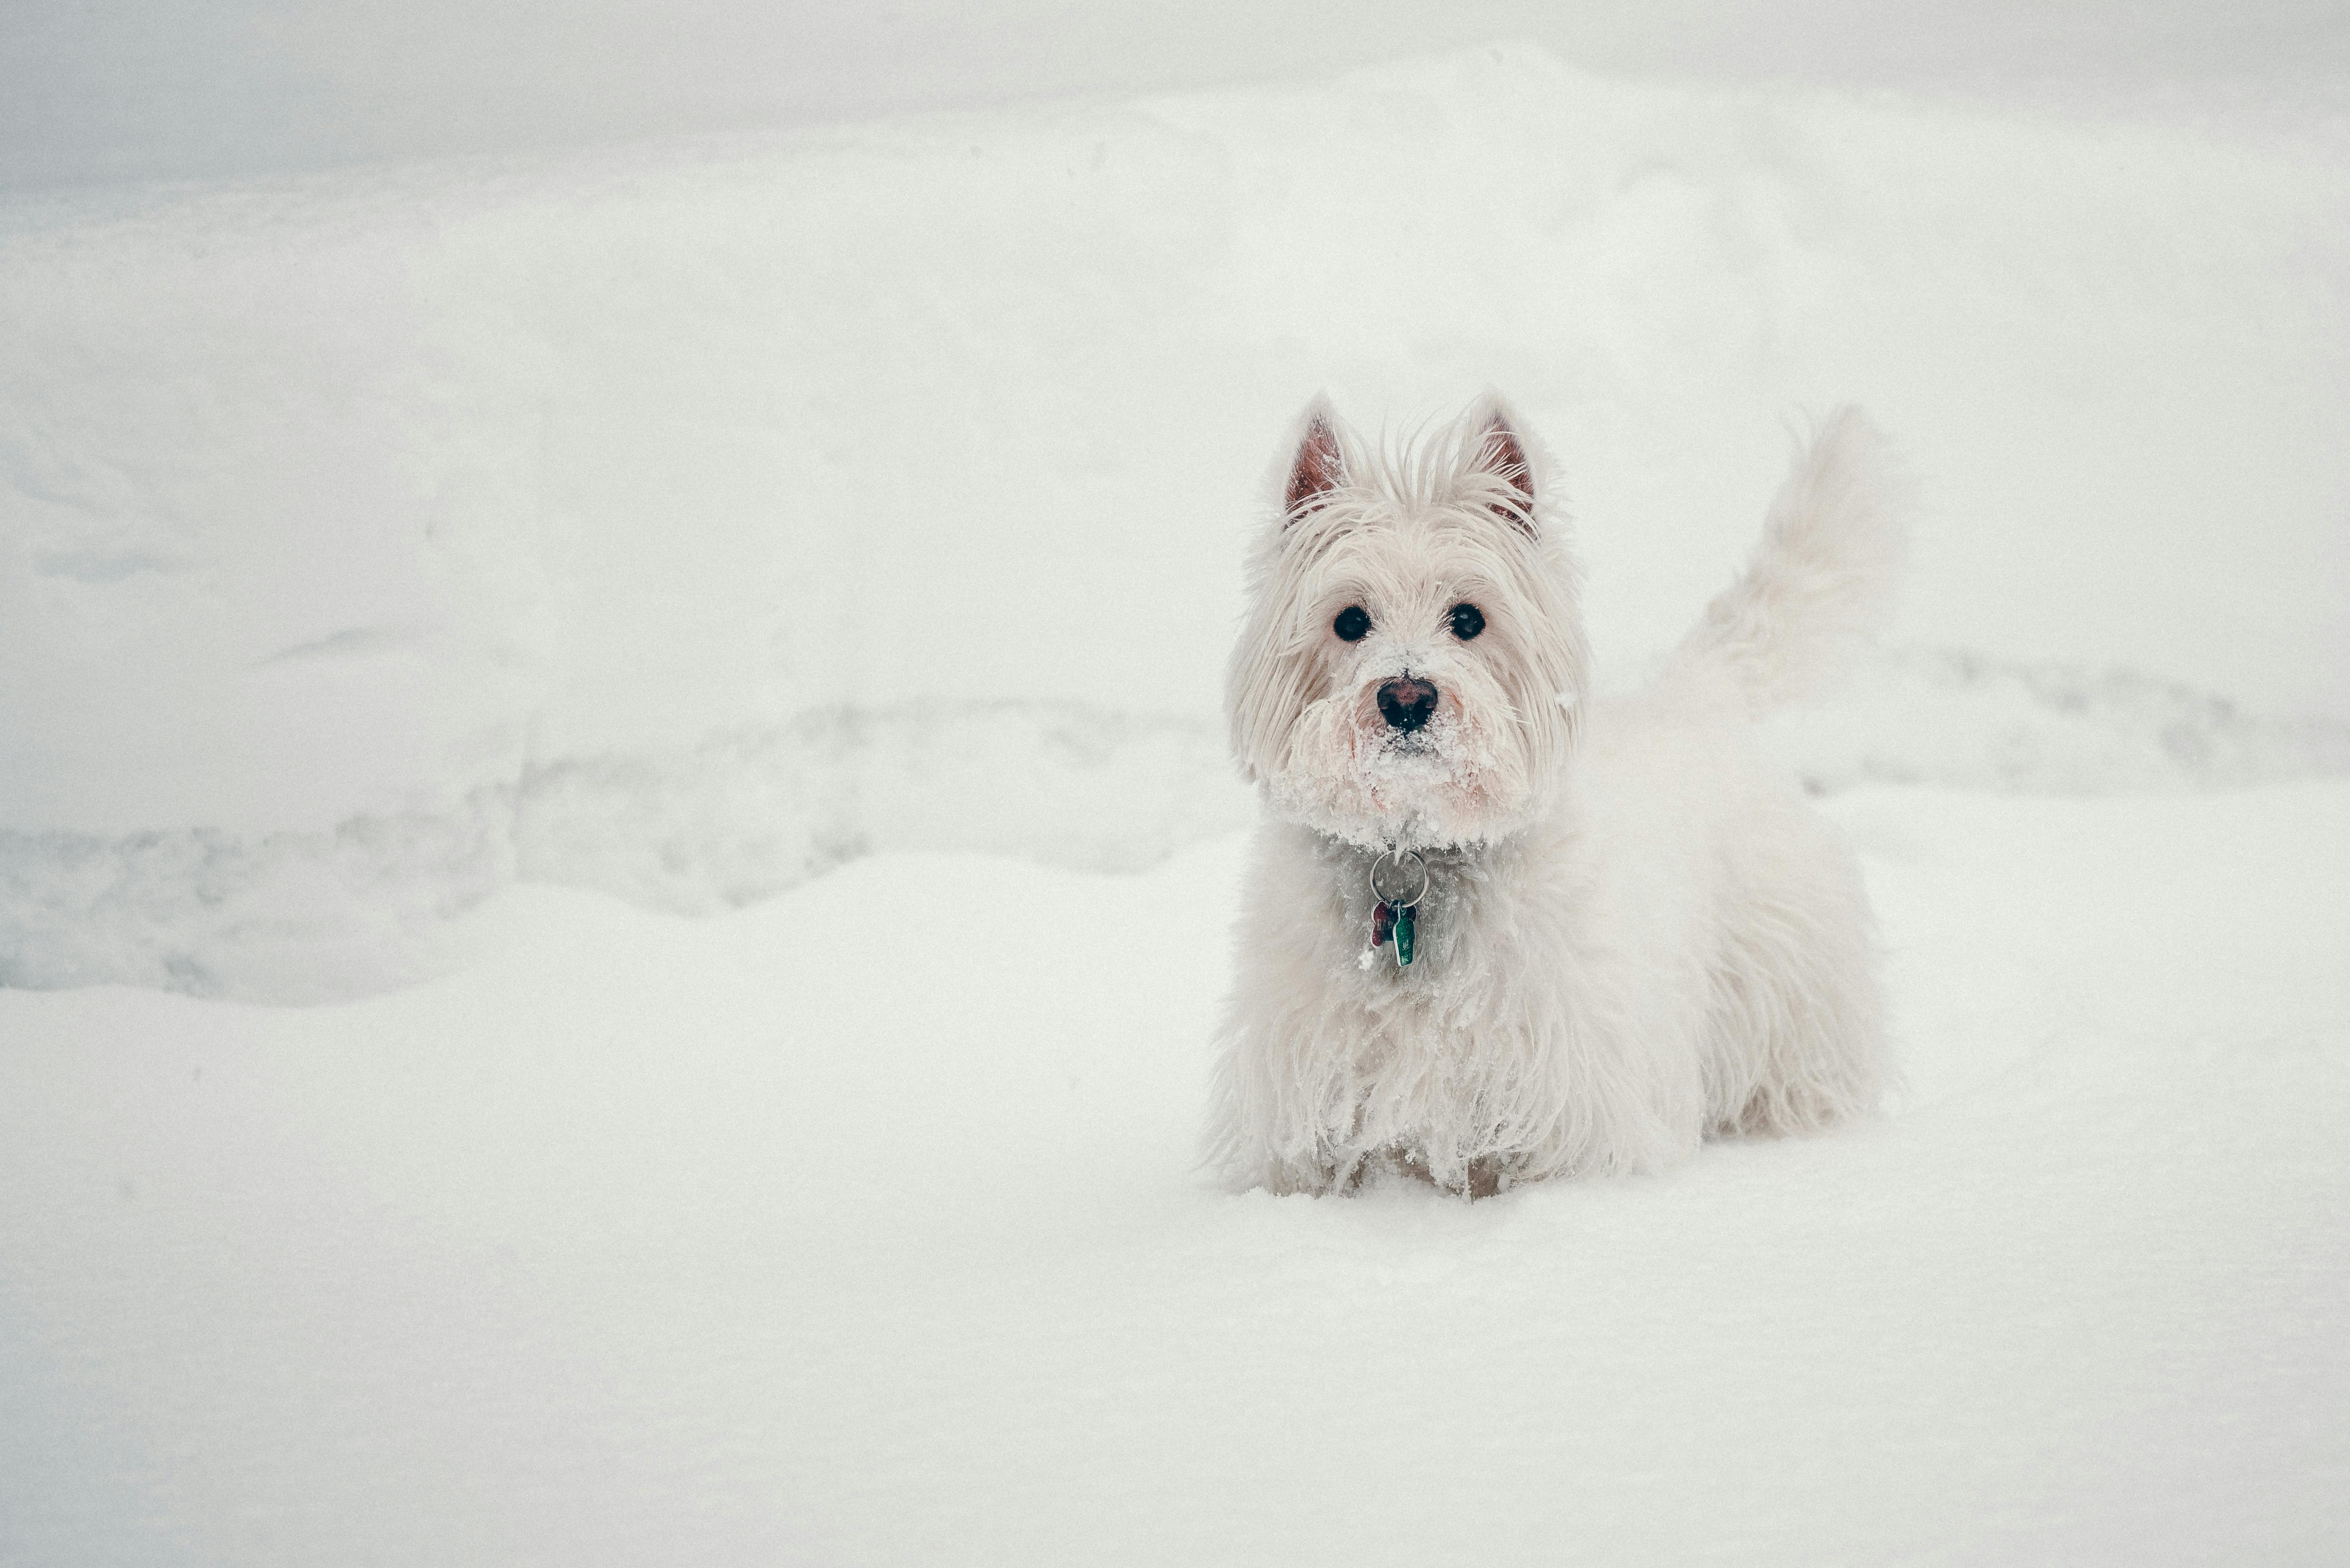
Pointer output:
x,y
1468,620
1352,624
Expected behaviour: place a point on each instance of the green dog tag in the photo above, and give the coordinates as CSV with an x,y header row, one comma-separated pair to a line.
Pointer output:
x,y
1392,919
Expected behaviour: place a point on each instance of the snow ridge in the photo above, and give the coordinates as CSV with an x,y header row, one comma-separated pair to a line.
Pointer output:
x,y
1957,718
755,811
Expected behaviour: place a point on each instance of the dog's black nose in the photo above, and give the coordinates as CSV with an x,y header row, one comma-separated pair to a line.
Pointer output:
x,y
1406,704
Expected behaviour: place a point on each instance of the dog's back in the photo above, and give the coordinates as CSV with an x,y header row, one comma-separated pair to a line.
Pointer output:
x,y
1794,1035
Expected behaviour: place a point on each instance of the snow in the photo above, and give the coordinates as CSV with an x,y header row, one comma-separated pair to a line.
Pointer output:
x,y
163,88
860,1225
667,518
699,662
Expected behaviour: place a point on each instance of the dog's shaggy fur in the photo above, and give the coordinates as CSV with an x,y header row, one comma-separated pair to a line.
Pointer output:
x,y
1636,934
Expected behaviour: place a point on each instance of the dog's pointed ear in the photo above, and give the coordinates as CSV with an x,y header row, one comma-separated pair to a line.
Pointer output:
x,y
1501,454
1317,463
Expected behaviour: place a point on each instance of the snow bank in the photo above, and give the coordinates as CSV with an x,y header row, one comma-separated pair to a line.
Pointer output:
x,y
295,916
861,1227
1940,716
568,514
756,812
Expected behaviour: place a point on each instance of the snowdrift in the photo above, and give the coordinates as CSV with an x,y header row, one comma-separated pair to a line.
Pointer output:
x,y
682,520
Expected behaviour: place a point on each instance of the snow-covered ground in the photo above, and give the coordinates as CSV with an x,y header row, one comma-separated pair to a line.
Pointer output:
x,y
860,1227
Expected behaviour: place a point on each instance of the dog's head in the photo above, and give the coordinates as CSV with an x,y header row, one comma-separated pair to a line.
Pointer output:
x,y
1414,656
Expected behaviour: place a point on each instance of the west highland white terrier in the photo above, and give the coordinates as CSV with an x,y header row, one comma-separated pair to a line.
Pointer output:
x,y
1495,930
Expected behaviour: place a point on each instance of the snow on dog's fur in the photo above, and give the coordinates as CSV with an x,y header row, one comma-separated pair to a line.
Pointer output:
x,y
1636,933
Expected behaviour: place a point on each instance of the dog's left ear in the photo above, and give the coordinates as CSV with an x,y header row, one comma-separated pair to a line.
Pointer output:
x,y
1501,456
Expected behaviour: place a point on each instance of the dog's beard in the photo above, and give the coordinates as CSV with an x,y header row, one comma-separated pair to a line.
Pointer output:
x,y
1453,782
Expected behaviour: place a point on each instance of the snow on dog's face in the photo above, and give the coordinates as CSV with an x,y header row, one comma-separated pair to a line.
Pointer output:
x,y
1414,656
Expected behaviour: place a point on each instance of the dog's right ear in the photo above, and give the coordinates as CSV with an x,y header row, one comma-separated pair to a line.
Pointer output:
x,y
1317,464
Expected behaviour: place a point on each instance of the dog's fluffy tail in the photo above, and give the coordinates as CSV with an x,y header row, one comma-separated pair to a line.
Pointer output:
x,y
1821,584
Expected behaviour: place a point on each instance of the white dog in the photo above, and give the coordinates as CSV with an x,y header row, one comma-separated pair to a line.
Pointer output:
x,y
1600,930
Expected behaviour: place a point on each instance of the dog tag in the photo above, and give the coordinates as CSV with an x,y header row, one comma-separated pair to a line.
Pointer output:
x,y
1392,922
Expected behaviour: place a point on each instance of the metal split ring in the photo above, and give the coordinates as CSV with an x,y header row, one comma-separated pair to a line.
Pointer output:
x,y
1399,857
